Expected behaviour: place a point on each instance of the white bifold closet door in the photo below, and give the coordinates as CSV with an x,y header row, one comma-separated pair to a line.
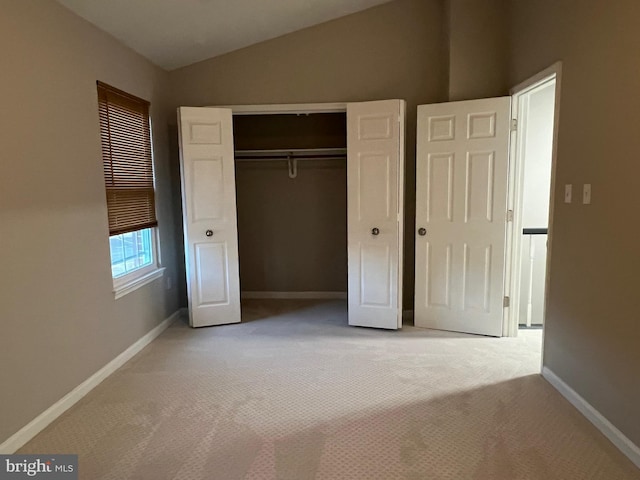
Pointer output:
x,y
375,166
209,215
461,215
375,190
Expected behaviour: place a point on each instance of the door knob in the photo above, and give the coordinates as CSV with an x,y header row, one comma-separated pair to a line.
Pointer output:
x,y
422,232
209,233
375,231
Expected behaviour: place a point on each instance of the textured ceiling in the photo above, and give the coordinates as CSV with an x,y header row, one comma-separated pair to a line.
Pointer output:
x,y
175,33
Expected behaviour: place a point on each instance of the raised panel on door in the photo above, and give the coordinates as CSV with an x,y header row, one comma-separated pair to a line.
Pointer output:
x,y
209,215
205,133
375,136
439,187
461,192
211,274
376,286
374,177
479,187
476,278
207,189
438,281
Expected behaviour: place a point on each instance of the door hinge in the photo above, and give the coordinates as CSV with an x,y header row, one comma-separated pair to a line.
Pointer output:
x,y
514,124
506,302
509,215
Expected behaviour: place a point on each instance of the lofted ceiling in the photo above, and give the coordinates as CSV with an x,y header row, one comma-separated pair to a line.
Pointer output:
x,y
175,33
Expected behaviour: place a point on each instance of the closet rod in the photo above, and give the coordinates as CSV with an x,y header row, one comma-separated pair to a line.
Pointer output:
x,y
292,153
240,158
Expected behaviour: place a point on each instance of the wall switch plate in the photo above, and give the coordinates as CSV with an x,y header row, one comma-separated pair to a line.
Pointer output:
x,y
168,283
567,193
586,193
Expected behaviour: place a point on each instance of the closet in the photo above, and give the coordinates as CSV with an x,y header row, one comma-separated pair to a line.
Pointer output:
x,y
294,200
291,191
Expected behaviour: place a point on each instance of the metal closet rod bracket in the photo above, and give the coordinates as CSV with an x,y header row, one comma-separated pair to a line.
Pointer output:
x,y
293,167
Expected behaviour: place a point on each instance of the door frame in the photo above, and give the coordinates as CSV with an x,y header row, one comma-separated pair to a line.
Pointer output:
x,y
285,108
341,107
288,109
514,205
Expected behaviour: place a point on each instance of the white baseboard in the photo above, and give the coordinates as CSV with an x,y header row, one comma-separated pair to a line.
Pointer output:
x,y
296,295
616,437
39,423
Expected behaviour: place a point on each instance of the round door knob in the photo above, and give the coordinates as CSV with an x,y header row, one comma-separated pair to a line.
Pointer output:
x,y
422,232
375,231
209,233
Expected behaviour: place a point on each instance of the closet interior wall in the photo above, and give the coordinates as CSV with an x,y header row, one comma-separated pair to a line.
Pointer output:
x,y
292,232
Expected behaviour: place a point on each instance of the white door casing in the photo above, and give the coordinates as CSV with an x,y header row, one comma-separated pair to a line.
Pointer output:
x,y
532,153
209,215
375,189
461,203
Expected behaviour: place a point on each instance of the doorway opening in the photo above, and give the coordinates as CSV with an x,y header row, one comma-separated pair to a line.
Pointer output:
x,y
374,186
532,171
291,193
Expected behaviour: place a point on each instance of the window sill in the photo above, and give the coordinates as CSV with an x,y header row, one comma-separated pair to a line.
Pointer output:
x,y
122,290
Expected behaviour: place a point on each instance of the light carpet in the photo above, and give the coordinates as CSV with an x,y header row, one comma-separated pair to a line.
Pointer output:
x,y
293,393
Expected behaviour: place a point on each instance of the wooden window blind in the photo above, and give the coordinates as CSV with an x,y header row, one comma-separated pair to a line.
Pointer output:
x,y
127,161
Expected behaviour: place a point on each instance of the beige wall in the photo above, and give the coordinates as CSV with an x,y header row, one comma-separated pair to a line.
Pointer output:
x,y
592,328
392,51
292,232
60,322
478,45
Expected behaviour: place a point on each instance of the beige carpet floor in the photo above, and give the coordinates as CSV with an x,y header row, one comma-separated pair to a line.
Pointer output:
x,y
293,393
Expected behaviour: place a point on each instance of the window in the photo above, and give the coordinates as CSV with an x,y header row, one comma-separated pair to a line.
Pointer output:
x,y
131,251
128,173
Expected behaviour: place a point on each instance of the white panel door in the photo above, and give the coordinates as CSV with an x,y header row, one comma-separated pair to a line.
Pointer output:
x,y
461,203
375,187
209,215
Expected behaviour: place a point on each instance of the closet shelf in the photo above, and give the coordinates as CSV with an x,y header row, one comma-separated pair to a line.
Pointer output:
x,y
295,153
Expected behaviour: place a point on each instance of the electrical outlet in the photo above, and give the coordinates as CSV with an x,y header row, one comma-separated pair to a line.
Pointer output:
x,y
567,193
586,193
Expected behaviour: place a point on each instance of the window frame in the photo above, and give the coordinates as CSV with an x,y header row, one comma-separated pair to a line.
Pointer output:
x,y
135,279
139,277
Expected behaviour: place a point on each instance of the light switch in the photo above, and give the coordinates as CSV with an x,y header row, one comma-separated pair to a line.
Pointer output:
x,y
567,193
586,193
